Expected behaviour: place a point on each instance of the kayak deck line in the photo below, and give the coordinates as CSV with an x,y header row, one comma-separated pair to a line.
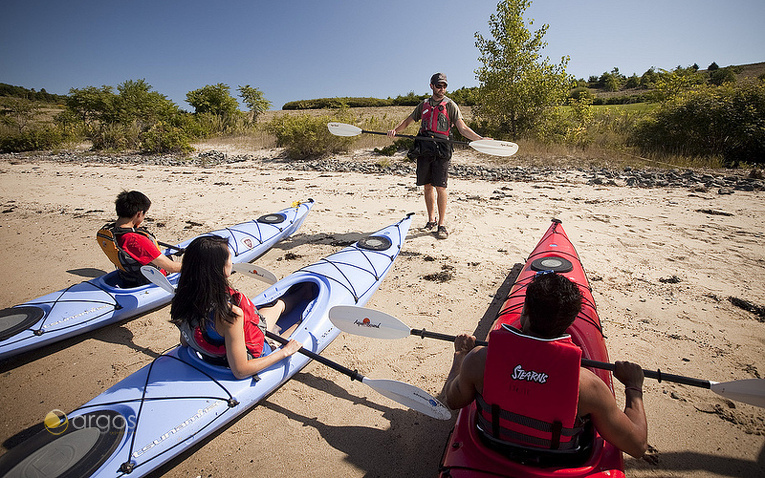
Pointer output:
x,y
96,302
179,399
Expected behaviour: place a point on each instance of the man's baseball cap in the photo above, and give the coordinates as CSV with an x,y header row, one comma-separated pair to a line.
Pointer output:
x,y
438,78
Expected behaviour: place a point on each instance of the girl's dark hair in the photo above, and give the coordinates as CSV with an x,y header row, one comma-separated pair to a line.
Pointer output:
x,y
552,303
202,294
129,203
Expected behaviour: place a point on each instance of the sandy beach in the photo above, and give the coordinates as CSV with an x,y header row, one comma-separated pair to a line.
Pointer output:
x,y
663,264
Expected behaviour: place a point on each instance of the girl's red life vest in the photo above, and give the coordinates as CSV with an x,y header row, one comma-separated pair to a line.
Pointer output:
x,y
205,340
435,119
530,389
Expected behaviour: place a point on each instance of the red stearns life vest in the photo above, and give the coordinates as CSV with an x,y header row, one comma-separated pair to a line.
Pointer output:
x,y
530,390
203,337
435,119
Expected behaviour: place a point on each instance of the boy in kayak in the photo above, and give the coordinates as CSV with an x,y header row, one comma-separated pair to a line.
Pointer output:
x,y
552,303
438,115
221,323
130,246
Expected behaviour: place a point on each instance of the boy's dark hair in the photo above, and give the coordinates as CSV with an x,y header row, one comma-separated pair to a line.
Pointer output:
x,y
552,303
129,203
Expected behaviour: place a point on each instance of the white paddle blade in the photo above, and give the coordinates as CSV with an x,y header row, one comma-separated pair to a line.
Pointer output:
x,y
342,129
367,322
157,278
750,391
410,396
255,271
494,147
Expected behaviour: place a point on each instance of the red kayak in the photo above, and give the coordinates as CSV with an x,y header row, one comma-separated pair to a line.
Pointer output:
x,y
465,453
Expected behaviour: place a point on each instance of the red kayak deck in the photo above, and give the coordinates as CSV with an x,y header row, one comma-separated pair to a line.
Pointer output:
x,y
465,455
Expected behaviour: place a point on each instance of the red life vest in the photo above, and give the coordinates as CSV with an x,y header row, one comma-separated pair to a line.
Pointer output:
x,y
530,390
435,119
127,265
205,339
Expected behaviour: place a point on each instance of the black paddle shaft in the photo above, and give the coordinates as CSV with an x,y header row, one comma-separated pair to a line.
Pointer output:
x,y
170,246
329,363
654,374
425,138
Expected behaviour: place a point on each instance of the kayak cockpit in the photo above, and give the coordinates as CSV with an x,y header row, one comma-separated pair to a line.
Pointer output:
x,y
309,290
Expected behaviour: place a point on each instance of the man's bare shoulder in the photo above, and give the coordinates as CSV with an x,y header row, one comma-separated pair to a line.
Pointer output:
x,y
593,392
474,365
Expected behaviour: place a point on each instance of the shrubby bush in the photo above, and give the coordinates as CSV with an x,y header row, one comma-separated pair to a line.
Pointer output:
x,y
579,93
116,137
163,137
307,137
31,139
726,121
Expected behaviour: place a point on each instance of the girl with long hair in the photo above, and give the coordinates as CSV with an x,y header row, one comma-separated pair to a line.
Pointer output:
x,y
221,323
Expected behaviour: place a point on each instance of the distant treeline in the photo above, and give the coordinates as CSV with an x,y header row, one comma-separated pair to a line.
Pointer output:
x,y
462,96
41,96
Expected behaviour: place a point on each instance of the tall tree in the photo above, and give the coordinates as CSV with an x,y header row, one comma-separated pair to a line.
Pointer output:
x,y
254,99
518,88
136,102
214,99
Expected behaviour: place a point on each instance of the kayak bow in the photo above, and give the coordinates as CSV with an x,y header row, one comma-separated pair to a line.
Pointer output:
x,y
465,453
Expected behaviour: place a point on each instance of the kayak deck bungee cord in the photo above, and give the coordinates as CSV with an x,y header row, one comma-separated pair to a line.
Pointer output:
x,y
466,453
91,304
179,399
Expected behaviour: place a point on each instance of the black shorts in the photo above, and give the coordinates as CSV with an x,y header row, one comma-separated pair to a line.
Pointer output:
x,y
432,171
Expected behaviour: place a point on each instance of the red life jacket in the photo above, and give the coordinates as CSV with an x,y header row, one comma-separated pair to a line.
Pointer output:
x,y
530,390
203,337
435,119
129,268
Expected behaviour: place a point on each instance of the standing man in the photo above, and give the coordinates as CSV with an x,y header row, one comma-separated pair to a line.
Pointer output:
x,y
438,114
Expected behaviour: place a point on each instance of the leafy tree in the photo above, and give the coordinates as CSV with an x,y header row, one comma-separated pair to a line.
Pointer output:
x,y
255,101
214,99
649,78
18,112
518,89
465,96
611,81
92,105
632,82
672,83
722,75
713,66
136,102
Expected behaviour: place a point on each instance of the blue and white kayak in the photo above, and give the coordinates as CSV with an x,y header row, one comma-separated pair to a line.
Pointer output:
x,y
179,399
97,302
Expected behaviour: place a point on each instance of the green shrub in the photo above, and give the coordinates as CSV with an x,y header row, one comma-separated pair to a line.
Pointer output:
x,y
726,121
165,138
116,137
338,102
581,92
31,139
721,76
306,137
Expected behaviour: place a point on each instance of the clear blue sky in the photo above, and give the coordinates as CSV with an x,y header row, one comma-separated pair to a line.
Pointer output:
x,y
303,49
